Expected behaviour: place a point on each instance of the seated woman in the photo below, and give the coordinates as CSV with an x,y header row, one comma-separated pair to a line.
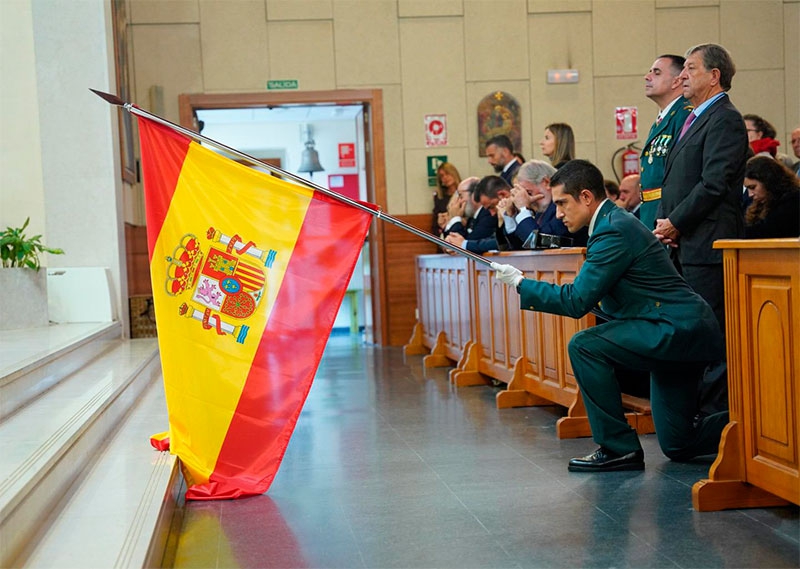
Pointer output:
x,y
558,144
761,135
447,180
775,211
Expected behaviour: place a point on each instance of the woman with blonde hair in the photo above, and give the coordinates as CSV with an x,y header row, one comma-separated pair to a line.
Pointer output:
x,y
558,143
447,180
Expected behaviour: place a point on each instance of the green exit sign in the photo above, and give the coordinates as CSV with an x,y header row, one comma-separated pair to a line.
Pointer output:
x,y
433,164
282,84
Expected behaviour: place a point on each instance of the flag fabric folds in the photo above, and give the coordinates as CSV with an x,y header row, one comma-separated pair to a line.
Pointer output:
x,y
248,273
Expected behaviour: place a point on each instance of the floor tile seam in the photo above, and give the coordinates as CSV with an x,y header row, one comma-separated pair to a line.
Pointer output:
x,y
351,529
527,459
746,513
655,548
438,477
466,508
666,474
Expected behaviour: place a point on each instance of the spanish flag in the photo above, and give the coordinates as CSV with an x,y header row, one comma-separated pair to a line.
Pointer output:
x,y
248,273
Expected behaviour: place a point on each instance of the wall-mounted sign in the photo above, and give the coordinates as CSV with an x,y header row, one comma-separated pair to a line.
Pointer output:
x,y
275,84
347,155
435,130
345,184
433,164
626,123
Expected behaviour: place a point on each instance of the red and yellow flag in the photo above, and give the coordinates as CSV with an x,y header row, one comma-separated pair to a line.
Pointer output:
x,y
248,274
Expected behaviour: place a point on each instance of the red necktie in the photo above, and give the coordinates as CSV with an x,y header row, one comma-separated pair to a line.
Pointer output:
x,y
687,123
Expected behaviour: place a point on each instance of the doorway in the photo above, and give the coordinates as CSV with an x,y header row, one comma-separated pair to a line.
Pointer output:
x,y
370,105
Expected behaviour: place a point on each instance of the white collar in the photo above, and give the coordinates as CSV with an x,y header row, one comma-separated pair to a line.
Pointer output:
x,y
663,112
594,217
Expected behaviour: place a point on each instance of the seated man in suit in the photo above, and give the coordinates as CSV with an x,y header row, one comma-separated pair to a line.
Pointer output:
x,y
462,209
630,195
488,231
535,208
656,323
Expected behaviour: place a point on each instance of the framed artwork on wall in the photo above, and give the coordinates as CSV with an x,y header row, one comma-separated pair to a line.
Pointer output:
x,y
499,113
120,22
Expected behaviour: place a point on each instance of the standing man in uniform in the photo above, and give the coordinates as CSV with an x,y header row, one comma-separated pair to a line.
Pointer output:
x,y
702,189
663,86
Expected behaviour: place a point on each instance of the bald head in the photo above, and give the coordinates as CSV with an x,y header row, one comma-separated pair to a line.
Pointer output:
x,y
467,184
629,196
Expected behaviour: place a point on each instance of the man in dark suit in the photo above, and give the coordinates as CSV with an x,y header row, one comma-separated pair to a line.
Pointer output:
x,y
487,232
500,153
656,323
462,209
535,210
630,197
663,86
702,189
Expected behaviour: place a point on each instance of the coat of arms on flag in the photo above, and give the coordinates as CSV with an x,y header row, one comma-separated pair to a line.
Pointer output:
x,y
224,286
248,273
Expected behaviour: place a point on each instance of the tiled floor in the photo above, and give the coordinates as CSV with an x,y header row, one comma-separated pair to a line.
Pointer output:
x,y
390,466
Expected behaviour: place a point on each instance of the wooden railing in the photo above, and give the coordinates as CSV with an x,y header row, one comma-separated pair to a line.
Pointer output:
x,y
465,315
758,463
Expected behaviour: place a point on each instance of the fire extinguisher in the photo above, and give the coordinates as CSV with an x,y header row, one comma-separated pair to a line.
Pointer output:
x,y
630,162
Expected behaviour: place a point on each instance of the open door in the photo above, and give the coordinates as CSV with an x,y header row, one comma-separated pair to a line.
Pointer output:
x,y
372,150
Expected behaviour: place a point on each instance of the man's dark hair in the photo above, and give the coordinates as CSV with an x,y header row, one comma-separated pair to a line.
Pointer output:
x,y
762,125
489,186
676,62
716,57
611,188
577,175
501,141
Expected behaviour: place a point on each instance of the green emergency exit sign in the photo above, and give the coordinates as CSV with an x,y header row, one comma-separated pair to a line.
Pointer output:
x,y
275,84
433,164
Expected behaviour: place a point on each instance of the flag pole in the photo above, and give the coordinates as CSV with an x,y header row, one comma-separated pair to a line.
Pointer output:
x,y
114,100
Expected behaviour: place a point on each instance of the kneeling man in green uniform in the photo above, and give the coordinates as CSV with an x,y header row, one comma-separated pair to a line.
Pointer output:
x,y
656,323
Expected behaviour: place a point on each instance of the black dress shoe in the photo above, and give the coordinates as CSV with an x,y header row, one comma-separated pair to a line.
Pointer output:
x,y
603,460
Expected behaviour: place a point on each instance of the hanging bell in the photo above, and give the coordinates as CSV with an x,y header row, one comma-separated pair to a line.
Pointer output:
x,y
309,160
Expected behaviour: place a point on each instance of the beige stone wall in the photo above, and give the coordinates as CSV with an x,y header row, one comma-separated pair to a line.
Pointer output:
x,y
444,56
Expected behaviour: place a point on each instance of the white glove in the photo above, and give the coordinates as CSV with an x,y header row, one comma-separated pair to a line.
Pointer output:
x,y
507,274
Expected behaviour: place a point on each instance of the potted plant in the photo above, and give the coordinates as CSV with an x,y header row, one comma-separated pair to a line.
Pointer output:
x,y
23,302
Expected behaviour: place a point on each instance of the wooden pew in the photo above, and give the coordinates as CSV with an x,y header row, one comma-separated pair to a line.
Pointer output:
x,y
493,338
759,454
444,309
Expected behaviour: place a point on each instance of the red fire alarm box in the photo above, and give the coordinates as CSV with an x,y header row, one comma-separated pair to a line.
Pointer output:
x,y
347,155
626,123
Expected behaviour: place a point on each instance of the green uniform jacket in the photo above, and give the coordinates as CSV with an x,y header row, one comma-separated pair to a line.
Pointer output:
x,y
629,274
654,155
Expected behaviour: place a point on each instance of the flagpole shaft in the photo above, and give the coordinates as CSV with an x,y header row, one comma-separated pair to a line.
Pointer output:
x,y
256,162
